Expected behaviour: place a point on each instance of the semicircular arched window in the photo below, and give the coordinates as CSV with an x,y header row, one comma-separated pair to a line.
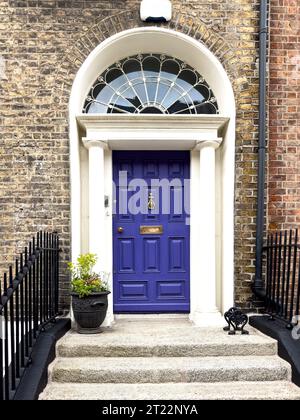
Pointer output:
x,y
150,84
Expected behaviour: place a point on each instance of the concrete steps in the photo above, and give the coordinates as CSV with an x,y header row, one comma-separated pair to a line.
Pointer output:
x,y
168,359
171,391
166,369
189,343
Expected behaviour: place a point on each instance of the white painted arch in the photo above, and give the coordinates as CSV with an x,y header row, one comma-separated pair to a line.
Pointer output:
x,y
169,42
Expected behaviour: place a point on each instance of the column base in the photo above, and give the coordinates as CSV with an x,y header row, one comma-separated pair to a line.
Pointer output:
x,y
207,319
109,320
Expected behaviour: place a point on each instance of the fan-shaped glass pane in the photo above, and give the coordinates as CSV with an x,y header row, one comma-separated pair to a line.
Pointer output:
x,y
150,84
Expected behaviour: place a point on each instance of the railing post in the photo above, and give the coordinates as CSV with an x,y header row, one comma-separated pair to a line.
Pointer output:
x,y
292,296
41,259
50,270
30,296
17,314
45,276
22,313
57,251
6,363
278,303
274,277
12,332
34,300
283,274
26,318
271,273
288,274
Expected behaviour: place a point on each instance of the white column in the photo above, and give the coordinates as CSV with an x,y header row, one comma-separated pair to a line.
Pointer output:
x,y
96,201
205,311
97,214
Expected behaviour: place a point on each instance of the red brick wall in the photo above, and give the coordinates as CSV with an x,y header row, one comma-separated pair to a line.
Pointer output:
x,y
284,112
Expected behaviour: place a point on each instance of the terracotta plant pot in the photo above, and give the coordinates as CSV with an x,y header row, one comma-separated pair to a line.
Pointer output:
x,y
89,312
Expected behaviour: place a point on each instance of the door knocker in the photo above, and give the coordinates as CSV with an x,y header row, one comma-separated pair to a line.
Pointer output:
x,y
151,203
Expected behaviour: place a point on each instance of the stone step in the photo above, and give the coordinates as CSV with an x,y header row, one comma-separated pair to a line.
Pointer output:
x,y
170,391
179,342
174,369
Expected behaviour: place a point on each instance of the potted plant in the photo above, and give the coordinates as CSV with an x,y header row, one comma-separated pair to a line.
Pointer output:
x,y
89,294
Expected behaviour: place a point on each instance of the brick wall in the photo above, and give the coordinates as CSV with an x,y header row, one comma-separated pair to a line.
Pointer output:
x,y
284,110
43,44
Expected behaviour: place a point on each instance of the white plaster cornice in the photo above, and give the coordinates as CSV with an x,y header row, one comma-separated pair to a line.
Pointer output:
x,y
149,131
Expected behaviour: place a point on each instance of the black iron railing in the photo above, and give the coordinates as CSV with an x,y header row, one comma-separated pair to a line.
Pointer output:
x,y
28,301
283,276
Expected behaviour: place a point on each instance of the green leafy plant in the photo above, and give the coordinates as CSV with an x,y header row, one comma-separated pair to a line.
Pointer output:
x,y
84,280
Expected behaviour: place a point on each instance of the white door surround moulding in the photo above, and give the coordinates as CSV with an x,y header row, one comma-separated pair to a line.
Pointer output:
x,y
149,132
190,133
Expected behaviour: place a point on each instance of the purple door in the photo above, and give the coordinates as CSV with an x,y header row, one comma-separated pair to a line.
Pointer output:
x,y
151,232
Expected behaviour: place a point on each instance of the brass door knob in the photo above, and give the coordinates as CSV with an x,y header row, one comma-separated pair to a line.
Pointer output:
x,y
120,230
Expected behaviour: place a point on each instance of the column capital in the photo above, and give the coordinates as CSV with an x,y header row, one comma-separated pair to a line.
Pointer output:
x,y
89,143
214,144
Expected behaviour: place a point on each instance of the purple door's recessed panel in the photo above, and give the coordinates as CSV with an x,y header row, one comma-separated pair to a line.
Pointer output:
x,y
151,168
151,256
151,271
126,255
171,289
133,290
176,168
176,251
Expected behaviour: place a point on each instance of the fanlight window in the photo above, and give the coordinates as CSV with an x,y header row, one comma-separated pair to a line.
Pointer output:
x,y
150,84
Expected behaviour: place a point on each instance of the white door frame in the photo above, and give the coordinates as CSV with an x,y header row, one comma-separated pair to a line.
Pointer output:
x,y
92,137
201,134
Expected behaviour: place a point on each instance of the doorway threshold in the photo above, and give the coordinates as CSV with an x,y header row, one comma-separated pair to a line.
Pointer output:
x,y
142,317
